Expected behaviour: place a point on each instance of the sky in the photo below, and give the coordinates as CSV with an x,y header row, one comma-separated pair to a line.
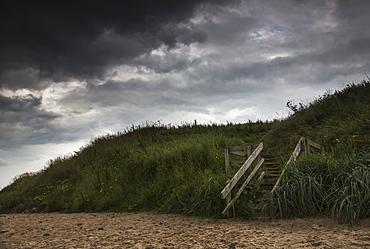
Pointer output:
x,y
71,71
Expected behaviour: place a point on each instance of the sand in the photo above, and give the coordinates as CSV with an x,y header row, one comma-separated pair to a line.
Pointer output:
x,y
147,230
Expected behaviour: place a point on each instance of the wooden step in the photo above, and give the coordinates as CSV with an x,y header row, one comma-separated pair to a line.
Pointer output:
x,y
271,165
272,175
272,172
270,169
267,188
271,178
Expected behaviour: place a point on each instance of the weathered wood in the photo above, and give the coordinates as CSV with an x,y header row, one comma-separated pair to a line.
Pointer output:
x,y
228,199
227,160
240,191
239,153
259,180
241,171
249,151
278,180
244,147
306,149
261,177
239,162
296,151
306,144
293,157
313,144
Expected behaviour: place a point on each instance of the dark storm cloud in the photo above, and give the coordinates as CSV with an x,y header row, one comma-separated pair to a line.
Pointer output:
x,y
351,13
58,40
18,104
295,42
23,119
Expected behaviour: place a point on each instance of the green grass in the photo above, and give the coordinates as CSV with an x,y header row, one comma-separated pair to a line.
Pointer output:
x,y
152,167
340,121
180,169
325,184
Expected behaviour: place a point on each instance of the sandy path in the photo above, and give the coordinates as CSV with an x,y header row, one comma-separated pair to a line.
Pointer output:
x,y
146,230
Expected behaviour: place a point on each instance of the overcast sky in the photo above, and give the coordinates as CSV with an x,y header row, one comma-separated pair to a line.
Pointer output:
x,y
72,71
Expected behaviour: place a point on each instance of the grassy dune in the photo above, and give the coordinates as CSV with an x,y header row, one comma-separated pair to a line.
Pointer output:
x,y
180,169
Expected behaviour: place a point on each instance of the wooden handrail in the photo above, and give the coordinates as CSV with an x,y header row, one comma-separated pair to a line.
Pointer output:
x,y
230,185
240,191
226,192
315,145
303,144
297,150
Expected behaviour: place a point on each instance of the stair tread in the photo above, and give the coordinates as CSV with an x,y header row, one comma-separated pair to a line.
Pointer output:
x,y
267,183
272,169
272,173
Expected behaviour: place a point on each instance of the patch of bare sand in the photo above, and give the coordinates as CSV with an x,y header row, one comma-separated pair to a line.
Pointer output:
x,y
146,230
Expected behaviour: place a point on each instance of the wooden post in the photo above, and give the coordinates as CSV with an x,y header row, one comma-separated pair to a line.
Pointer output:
x,y
303,146
227,160
307,148
249,151
228,200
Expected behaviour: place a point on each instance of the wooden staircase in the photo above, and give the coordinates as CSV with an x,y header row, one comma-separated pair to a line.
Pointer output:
x,y
261,165
269,177
272,173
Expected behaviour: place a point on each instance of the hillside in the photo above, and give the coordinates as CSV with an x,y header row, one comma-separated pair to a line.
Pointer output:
x,y
181,169
340,121
149,167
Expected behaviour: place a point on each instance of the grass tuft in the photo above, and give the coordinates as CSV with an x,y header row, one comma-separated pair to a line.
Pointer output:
x,y
323,184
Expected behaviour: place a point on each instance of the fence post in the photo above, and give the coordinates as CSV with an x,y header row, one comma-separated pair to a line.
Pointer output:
x,y
228,200
249,151
307,147
227,160
304,146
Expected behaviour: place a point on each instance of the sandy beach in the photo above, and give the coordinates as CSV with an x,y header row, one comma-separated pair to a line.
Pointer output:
x,y
147,230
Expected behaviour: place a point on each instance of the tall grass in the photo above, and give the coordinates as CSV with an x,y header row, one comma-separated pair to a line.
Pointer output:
x,y
168,168
324,184
340,121
148,167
